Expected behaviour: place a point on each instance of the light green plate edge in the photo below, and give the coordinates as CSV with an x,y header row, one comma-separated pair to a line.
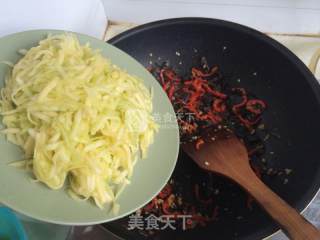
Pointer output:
x,y
150,175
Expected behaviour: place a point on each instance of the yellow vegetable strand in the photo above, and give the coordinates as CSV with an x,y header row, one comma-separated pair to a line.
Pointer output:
x,y
78,117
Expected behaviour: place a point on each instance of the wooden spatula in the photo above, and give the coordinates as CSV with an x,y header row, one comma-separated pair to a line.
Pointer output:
x,y
228,156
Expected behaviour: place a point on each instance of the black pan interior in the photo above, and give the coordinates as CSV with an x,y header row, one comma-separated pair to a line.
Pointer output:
x,y
267,69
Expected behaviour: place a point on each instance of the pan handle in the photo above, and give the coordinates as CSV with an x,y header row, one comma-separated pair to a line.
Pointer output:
x,y
314,61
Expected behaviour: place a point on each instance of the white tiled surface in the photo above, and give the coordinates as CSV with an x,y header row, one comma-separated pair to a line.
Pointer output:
x,y
282,16
82,16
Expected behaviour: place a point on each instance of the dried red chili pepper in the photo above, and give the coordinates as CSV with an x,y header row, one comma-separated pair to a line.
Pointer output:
x,y
219,106
171,92
215,92
166,208
165,192
255,106
199,142
187,127
248,123
150,206
243,92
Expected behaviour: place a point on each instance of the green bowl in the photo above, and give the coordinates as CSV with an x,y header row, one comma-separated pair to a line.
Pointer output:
x,y
37,201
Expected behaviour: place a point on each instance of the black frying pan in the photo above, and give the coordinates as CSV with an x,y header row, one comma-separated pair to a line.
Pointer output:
x,y
267,69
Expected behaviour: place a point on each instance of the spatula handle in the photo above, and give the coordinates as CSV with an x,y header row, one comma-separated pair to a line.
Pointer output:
x,y
295,226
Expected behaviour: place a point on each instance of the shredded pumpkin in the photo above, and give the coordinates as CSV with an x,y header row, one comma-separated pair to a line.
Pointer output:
x,y
78,118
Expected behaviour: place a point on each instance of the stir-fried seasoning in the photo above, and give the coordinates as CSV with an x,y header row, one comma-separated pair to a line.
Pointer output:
x,y
204,100
201,101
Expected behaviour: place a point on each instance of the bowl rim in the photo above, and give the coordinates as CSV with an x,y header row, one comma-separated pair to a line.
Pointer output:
x,y
114,217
